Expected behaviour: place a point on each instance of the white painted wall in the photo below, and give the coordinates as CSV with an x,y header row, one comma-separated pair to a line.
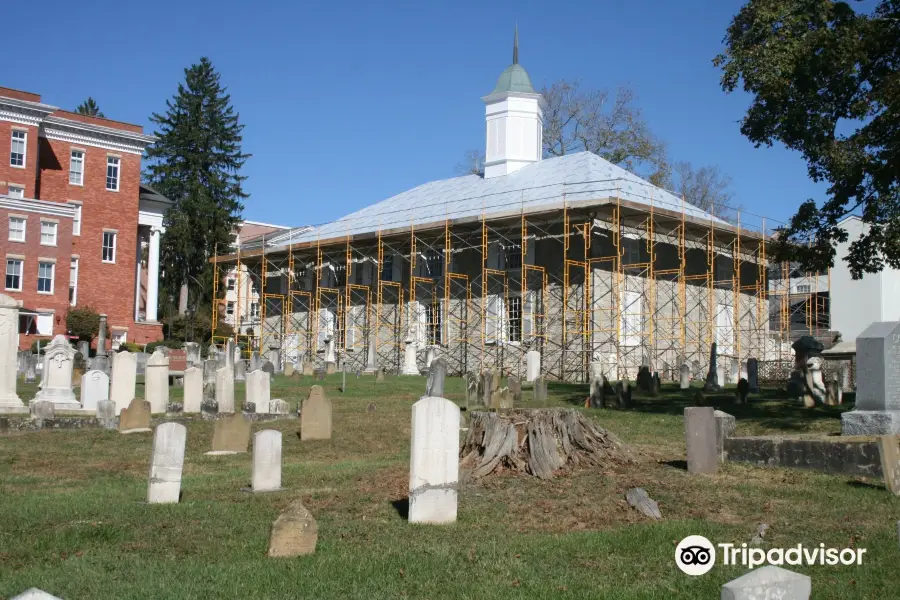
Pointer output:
x,y
856,304
514,131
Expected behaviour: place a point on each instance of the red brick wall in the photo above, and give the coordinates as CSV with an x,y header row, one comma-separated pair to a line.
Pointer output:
x,y
64,114
108,288
10,174
19,94
33,251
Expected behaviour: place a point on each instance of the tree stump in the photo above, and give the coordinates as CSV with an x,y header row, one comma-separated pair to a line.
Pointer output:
x,y
538,442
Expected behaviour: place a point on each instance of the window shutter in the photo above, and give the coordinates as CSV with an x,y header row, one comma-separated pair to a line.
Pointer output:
x,y
366,271
308,278
495,319
350,327
397,275
326,327
495,256
529,252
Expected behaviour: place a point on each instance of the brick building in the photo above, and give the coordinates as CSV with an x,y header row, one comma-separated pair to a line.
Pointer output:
x,y
81,229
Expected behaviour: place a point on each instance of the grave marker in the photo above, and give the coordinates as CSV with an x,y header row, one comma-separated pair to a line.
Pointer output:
x,y
166,464
266,473
877,382
434,461
123,380
769,582
135,417
225,389
315,416
193,390
700,438
258,391
94,388
56,378
231,435
156,382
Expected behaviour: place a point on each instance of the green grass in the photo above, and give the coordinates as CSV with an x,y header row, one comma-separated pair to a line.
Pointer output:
x,y
73,519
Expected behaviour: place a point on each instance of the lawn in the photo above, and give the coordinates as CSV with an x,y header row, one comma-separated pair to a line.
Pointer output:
x,y
73,519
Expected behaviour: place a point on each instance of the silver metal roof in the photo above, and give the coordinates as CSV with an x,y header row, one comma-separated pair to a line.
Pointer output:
x,y
574,178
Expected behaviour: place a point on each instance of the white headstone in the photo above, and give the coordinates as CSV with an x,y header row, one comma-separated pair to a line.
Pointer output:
x,y
258,390
56,379
409,359
768,583
430,355
156,382
35,594
166,464
124,373
532,365
193,389
434,461
94,388
9,346
225,389
329,350
684,380
266,472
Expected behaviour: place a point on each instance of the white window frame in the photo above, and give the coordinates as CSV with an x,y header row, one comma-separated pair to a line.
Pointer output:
x,y
73,286
43,263
230,284
20,275
19,193
116,163
103,246
229,309
54,227
76,220
495,319
12,141
79,174
254,310
24,228
509,321
803,288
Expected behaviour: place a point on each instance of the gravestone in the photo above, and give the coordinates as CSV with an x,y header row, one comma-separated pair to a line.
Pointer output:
x,y
123,380
834,395
35,594
877,382
490,383
232,353
644,379
735,371
655,385
269,368
712,377
94,388
434,461
540,391
156,382
379,376
225,389
192,354
700,438
308,370
212,353
434,385
684,376
266,470
409,358
430,354
177,360
725,428
532,365
258,391
289,369
294,533
135,417
278,407
193,390
166,464
106,413
768,583
473,395
101,358
84,347
515,389
329,351
623,393
209,371
240,370
371,356
140,361
30,368
753,375
889,452
501,399
596,397
315,416
231,434
274,357
845,376
41,409
743,391
56,379
255,362
743,370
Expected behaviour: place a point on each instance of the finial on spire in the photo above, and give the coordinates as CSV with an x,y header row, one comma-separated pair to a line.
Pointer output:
x,y
516,46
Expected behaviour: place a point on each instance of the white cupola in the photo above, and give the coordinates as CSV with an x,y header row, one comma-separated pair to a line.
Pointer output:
x,y
515,121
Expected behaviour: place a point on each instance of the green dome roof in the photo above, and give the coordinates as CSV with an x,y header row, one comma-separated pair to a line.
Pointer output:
x,y
514,79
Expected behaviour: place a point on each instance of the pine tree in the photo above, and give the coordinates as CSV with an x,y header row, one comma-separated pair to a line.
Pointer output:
x,y
90,108
196,163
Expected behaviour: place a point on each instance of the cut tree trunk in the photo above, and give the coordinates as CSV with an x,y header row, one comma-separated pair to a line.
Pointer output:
x,y
538,442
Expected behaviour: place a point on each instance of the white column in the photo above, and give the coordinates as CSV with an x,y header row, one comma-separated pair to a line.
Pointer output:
x,y
153,275
137,282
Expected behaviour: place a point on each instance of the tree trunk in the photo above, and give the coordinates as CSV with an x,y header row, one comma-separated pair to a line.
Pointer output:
x,y
539,442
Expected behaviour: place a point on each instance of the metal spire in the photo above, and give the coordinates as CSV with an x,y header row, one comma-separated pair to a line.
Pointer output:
x,y
516,46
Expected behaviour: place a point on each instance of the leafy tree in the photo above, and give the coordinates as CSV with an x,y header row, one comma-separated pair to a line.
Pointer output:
x,y
83,322
824,81
197,163
90,108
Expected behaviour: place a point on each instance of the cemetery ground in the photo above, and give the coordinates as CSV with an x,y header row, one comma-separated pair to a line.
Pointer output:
x,y
74,521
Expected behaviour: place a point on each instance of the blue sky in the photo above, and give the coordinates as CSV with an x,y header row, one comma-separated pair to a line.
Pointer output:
x,y
345,104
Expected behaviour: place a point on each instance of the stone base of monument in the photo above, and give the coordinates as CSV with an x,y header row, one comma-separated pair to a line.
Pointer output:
x,y
137,430
870,422
14,410
835,455
222,452
66,410
248,490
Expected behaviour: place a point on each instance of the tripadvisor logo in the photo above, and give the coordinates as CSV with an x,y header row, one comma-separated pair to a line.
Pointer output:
x,y
695,555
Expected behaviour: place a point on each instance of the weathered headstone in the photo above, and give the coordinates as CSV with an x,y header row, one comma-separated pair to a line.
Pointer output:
x,y
684,376
379,376
473,395
209,371
329,351
269,368
596,396
225,389
700,438
502,399
123,380
371,356
164,486
315,416
178,361
231,434
735,371
294,533
266,470
430,355
240,370
490,384
94,388
655,385
42,409
712,377
258,390
434,461
192,354
834,395
156,382
515,389
255,362
877,382
889,451
30,367
101,358
725,427
35,594
106,413
540,391
289,369
768,583
278,407
845,376
753,375
232,353
56,380
434,386
644,379
135,417
193,390
84,347
409,358
532,365
743,391
308,370
274,357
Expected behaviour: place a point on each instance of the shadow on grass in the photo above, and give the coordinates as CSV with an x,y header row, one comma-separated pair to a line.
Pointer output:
x,y
676,464
402,508
770,407
865,486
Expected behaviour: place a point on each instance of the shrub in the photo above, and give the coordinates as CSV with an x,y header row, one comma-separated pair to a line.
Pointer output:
x,y
83,322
